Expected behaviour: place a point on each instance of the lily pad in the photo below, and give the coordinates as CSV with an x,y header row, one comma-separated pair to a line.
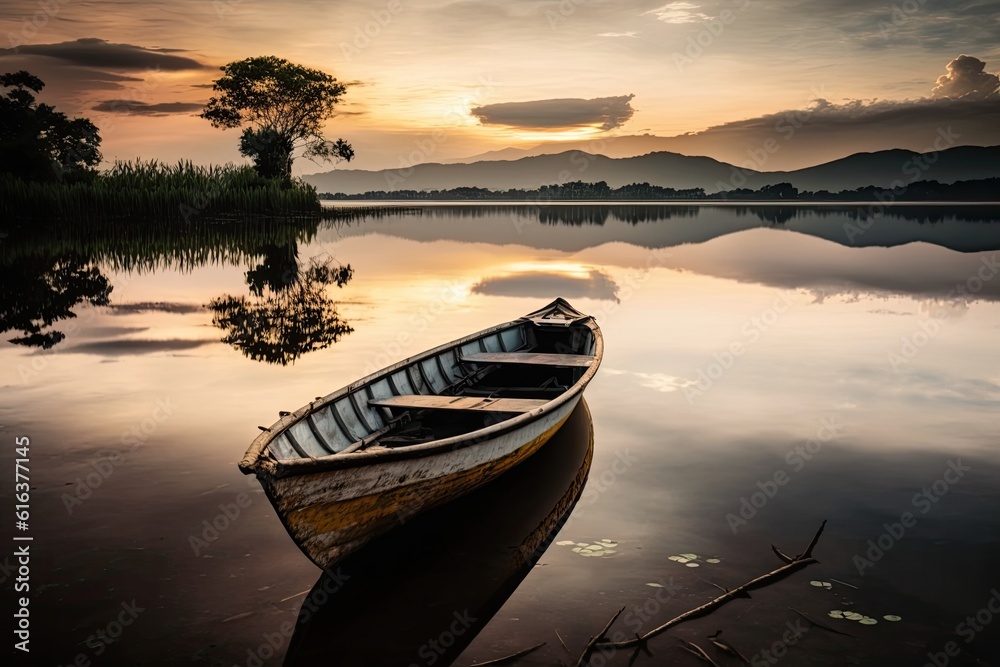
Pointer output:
x,y
836,613
690,556
853,616
712,560
867,621
892,617
565,543
678,559
655,585
821,584
692,565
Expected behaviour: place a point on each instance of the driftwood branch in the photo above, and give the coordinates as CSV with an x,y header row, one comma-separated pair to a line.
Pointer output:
x,y
801,561
594,640
784,557
509,658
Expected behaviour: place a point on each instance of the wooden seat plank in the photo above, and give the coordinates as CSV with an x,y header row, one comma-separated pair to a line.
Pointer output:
x,y
530,358
467,403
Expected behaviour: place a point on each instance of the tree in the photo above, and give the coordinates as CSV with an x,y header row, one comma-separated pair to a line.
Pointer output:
x,y
42,291
293,317
281,107
36,141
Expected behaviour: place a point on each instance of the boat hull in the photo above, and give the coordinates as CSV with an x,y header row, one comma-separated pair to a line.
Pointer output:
x,y
332,513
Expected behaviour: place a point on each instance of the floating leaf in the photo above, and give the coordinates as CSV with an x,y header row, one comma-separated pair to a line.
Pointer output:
x,y
713,560
610,551
867,621
836,613
692,564
853,616
690,556
577,550
565,543
892,617
821,584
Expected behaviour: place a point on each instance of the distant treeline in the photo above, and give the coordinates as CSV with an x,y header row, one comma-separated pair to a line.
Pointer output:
x,y
979,190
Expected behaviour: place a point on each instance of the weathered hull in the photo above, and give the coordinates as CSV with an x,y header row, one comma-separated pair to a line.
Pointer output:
x,y
465,557
353,464
333,513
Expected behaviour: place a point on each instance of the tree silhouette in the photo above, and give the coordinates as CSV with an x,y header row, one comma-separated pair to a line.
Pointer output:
x,y
46,291
282,107
36,141
293,318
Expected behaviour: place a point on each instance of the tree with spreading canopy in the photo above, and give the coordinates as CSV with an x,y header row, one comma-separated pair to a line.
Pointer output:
x,y
282,107
39,143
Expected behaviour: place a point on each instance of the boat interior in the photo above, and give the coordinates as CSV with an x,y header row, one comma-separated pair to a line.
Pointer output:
x,y
449,392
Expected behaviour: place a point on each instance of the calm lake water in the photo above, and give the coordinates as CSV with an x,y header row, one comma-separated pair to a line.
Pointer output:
x,y
766,369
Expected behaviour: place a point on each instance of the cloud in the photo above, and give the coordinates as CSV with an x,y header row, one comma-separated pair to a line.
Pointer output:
x,y
596,285
132,346
966,79
604,112
146,109
98,53
158,306
678,12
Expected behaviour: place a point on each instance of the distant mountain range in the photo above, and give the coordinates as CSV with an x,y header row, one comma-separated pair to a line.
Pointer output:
x,y
882,169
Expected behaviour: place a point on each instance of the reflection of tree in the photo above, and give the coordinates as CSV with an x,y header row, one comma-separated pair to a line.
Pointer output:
x,y
39,292
278,271
295,317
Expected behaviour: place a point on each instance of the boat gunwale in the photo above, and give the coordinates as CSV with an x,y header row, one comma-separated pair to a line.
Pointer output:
x,y
258,460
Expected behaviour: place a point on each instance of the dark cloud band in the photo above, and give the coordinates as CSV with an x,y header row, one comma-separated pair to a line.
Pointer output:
x,y
145,109
604,112
98,53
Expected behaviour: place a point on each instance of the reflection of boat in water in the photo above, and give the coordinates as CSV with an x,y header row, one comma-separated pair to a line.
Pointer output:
x,y
355,463
421,593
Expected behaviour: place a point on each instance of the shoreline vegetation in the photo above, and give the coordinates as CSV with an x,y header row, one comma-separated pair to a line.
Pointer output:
x,y
154,190
983,190
49,161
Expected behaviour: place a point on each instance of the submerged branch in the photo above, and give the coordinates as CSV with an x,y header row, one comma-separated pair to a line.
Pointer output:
x,y
799,562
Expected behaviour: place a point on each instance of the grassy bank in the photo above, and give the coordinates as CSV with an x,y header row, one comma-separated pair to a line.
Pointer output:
x,y
156,191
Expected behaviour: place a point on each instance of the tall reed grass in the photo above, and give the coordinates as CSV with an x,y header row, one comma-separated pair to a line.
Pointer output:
x,y
152,190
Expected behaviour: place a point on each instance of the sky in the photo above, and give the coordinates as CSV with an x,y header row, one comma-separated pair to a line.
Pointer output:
x,y
437,80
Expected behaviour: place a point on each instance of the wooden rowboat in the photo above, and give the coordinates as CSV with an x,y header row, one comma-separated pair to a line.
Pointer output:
x,y
351,465
467,557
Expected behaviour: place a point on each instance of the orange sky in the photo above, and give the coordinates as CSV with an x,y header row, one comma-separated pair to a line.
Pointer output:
x,y
419,66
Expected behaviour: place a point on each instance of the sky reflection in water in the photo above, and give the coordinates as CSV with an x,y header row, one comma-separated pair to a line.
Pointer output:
x,y
732,340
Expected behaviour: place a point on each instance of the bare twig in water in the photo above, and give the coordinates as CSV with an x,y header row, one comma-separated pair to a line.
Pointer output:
x,y
783,556
844,583
693,648
593,640
818,624
563,643
744,612
712,583
727,648
801,561
509,658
